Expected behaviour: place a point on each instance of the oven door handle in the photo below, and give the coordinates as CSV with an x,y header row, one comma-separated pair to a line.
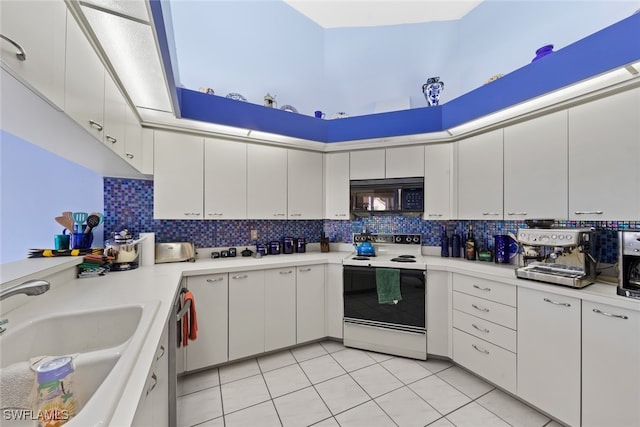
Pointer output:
x,y
389,326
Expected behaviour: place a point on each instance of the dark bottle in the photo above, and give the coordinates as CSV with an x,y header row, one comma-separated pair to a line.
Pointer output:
x,y
444,243
470,245
455,245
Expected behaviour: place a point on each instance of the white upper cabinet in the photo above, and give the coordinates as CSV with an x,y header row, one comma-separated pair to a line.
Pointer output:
x,y
336,186
178,176
267,182
304,177
438,181
84,82
604,158
403,162
39,28
480,171
133,139
225,179
115,112
535,168
367,164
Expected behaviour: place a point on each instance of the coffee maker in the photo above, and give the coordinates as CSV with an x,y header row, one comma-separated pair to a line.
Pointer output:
x,y
561,256
629,263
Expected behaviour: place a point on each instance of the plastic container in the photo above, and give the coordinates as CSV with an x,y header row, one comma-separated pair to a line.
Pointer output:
x,y
57,402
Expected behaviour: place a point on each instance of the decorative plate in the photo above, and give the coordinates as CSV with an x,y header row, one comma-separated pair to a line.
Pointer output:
x,y
289,108
236,97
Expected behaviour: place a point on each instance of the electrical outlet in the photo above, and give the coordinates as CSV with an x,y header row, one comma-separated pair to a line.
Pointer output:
x,y
254,234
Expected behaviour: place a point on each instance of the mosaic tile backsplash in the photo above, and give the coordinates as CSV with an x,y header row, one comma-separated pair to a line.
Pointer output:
x,y
131,201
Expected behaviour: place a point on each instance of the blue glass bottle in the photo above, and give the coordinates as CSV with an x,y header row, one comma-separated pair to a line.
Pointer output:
x,y
444,243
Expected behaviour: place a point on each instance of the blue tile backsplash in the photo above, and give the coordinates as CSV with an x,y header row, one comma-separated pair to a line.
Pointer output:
x,y
131,201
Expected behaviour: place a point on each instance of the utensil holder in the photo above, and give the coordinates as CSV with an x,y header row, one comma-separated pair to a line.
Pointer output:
x,y
81,240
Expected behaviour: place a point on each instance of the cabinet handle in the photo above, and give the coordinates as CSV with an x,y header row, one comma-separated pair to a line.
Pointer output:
x,y
565,304
217,279
486,310
286,272
96,125
129,155
111,139
340,215
490,213
516,213
296,214
485,330
155,383
278,214
436,215
588,212
192,213
481,350
161,354
304,270
482,289
215,214
239,277
604,313
20,54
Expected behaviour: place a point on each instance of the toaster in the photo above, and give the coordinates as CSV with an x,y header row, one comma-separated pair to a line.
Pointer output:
x,y
175,252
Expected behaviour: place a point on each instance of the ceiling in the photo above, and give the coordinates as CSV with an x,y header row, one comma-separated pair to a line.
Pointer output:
x,y
370,13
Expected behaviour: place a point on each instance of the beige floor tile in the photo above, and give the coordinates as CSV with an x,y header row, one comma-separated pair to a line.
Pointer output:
x,y
512,410
322,368
198,381
301,408
243,393
238,371
466,382
263,415
437,393
341,393
308,352
407,409
285,380
199,407
474,415
365,415
351,359
276,360
376,380
406,370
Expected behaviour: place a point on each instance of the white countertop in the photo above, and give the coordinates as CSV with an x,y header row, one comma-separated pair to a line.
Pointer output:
x,y
161,283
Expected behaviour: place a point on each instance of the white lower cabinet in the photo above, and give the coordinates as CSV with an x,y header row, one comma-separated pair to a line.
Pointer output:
x,y
334,301
610,366
279,308
439,308
310,299
211,295
246,313
549,353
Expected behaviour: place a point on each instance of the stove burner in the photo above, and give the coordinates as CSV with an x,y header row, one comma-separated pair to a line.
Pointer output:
x,y
361,258
403,259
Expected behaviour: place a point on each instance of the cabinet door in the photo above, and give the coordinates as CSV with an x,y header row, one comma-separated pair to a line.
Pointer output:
x,y
267,182
610,368
439,309
535,168
225,179
133,140
177,176
310,303
438,181
367,164
39,27
549,353
304,177
246,314
160,392
115,110
279,308
604,148
480,171
84,82
211,294
404,162
336,191
334,302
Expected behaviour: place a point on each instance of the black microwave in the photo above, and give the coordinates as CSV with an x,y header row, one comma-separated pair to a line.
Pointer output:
x,y
393,196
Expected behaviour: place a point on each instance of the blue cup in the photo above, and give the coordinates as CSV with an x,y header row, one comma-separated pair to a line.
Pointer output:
x,y
319,114
81,240
506,248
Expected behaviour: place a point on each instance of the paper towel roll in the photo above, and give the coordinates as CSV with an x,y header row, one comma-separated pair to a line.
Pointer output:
x,y
148,249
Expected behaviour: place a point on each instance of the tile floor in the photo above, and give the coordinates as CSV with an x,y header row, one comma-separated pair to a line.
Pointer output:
x,y
326,384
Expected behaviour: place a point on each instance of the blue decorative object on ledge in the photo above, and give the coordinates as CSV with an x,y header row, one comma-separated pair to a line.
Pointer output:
x,y
432,90
543,51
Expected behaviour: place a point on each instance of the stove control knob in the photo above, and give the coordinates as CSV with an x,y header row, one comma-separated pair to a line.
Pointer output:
x,y
407,239
416,239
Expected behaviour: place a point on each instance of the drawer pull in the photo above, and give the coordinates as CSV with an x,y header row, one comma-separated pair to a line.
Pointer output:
x,y
588,212
485,330
486,310
286,272
240,277
217,279
604,313
95,125
490,213
436,215
341,215
481,350
482,289
296,214
304,270
565,304
20,53
111,139
516,213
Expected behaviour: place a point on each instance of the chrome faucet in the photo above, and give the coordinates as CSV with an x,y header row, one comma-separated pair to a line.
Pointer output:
x,y
30,287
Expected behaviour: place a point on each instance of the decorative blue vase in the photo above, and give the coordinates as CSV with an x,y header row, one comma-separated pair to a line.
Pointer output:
x,y
432,90
543,51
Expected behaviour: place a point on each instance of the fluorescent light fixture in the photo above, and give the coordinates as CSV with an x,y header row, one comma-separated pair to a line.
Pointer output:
x,y
584,87
130,46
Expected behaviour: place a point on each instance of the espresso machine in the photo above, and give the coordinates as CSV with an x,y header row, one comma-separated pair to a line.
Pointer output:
x,y
561,256
629,263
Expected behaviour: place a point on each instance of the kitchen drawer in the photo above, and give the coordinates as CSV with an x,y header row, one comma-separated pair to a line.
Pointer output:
x,y
485,359
489,331
488,310
488,289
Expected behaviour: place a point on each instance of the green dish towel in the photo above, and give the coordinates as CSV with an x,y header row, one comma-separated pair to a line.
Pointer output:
x,y
388,285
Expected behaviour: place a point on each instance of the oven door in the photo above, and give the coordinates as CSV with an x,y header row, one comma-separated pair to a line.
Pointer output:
x,y
361,300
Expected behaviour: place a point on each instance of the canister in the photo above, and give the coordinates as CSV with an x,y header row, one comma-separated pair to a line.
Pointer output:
x,y
287,245
261,249
274,247
300,245
57,401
